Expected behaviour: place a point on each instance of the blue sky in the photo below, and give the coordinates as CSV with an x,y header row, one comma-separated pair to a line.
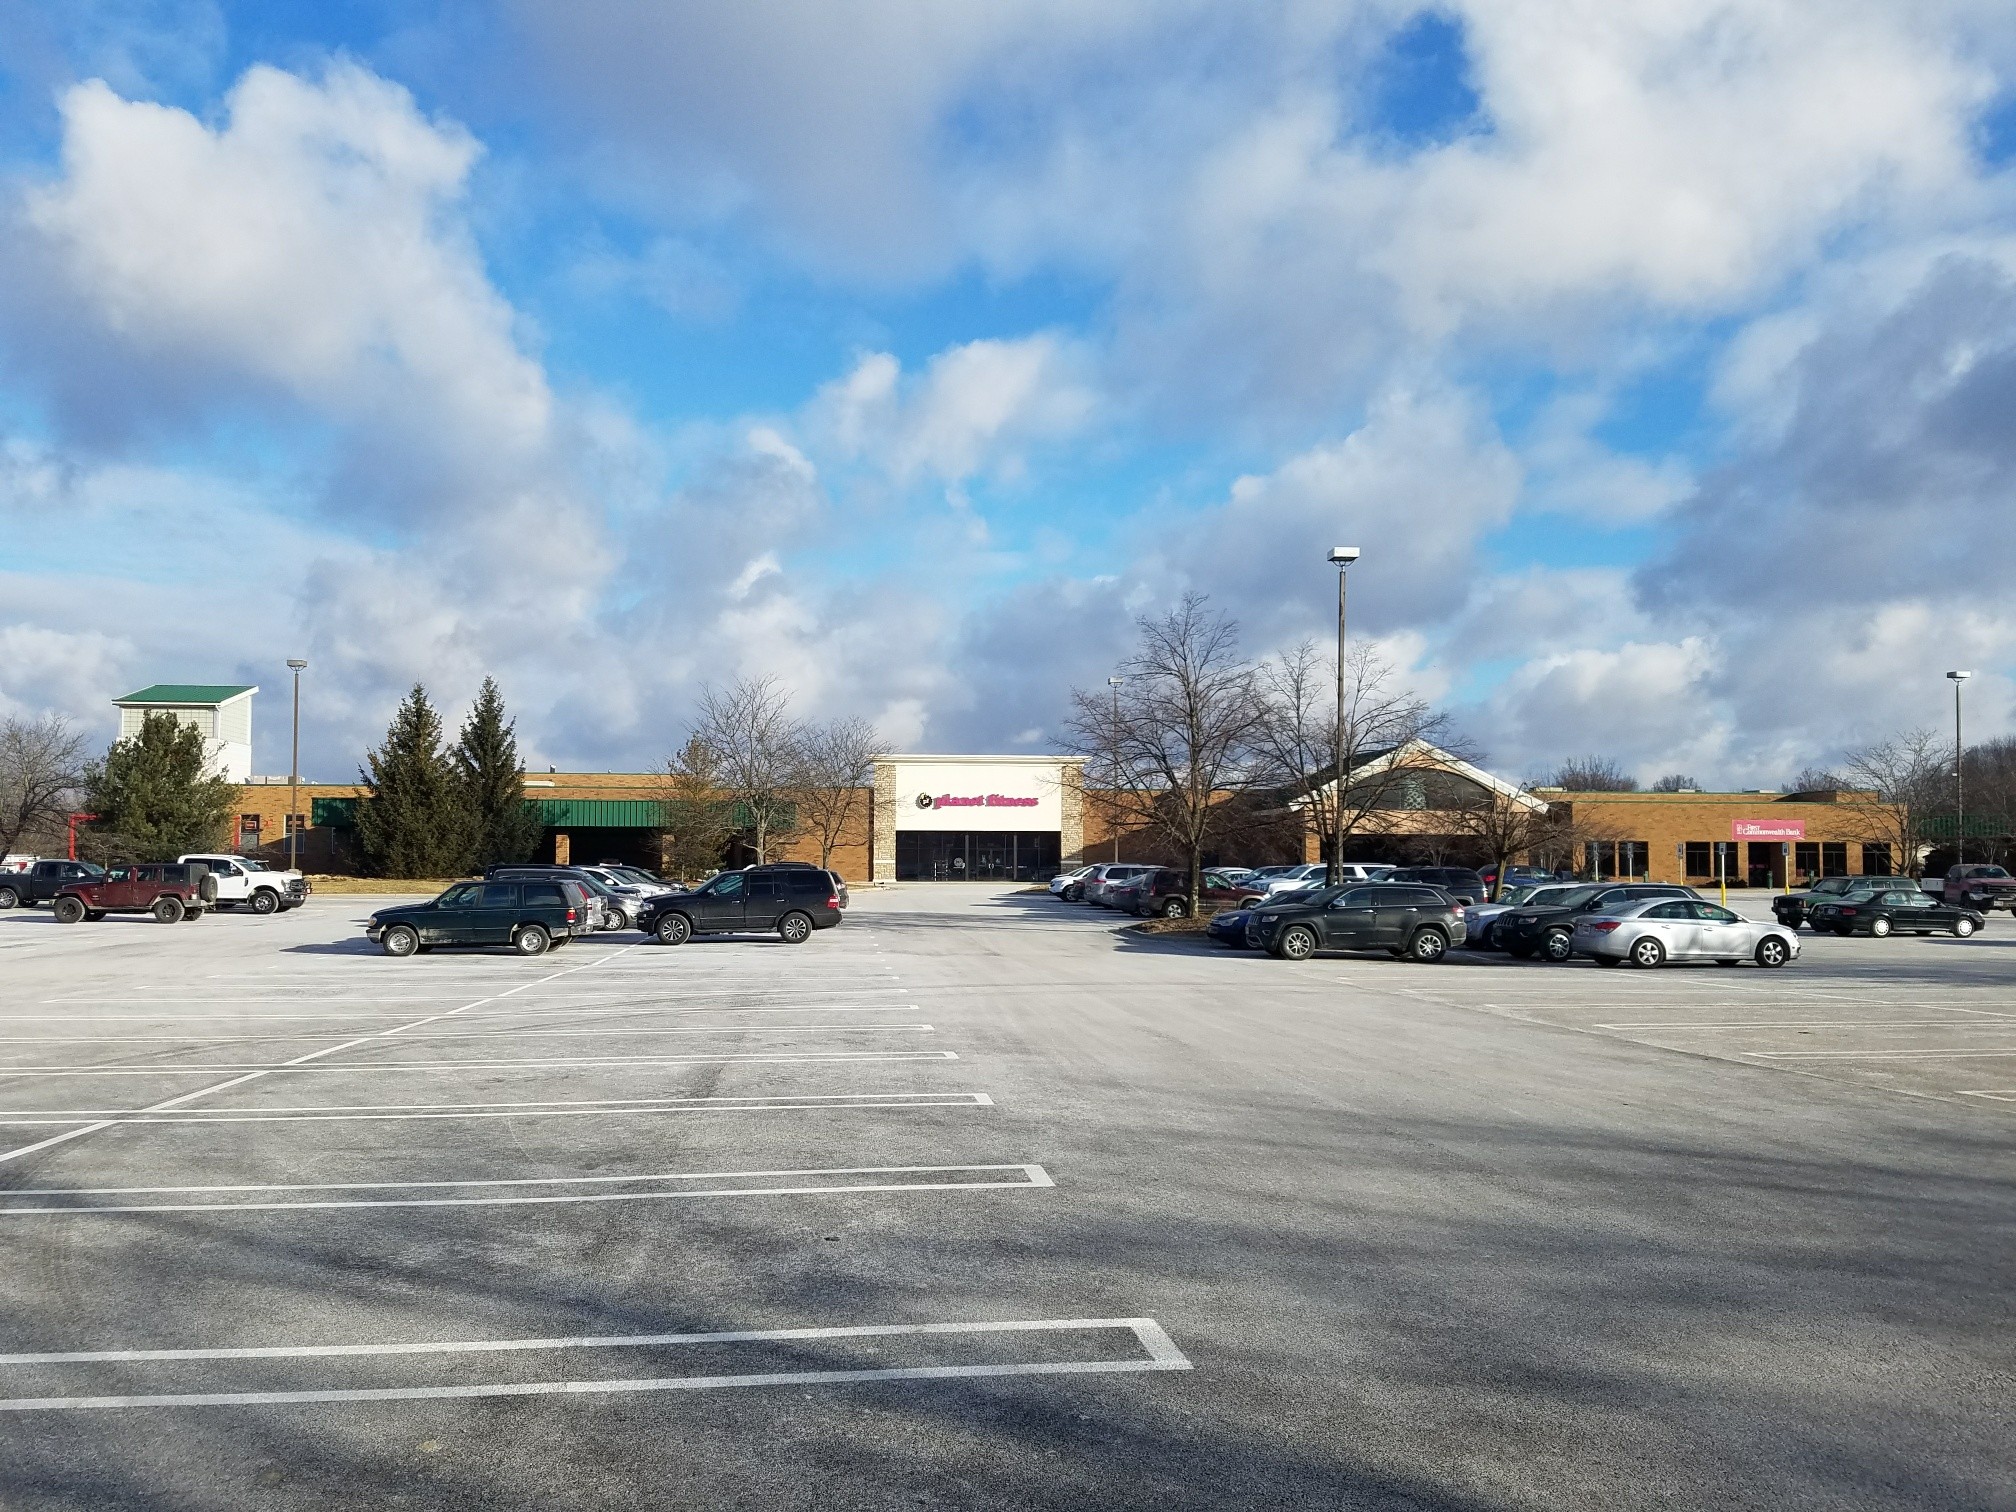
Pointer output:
x,y
1660,360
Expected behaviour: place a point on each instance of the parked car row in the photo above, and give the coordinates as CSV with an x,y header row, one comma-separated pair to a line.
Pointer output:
x,y
1164,891
533,909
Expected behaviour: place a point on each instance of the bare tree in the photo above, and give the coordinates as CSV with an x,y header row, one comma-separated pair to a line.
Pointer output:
x,y
41,765
753,744
1817,779
1296,738
1675,782
1180,743
1505,827
699,821
1893,786
835,774
1594,774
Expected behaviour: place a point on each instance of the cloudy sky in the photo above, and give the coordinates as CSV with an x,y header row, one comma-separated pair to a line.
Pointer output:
x,y
1660,356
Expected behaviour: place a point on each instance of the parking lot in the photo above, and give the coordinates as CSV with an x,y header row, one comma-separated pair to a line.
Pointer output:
x,y
980,1201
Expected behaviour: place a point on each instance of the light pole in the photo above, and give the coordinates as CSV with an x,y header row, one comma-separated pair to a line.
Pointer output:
x,y
1343,557
1959,773
294,772
1113,814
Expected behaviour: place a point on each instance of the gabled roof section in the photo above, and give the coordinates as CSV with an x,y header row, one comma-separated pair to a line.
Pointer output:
x,y
186,693
1421,753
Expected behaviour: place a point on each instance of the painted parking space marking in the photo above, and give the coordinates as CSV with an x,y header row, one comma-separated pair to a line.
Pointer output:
x,y
611,1031
518,1191
640,1062
607,1107
1158,1352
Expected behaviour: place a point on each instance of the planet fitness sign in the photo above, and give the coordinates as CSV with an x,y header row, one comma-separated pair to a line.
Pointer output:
x,y
974,800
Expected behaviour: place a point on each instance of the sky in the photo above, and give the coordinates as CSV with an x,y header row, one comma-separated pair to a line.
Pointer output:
x,y
1661,359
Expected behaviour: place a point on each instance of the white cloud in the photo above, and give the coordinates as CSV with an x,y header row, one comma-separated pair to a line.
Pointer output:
x,y
976,408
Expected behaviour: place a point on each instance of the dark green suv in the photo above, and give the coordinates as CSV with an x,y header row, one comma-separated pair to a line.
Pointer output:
x,y
1418,922
529,916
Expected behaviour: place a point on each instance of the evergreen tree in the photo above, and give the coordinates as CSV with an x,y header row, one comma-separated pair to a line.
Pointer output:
x,y
155,796
416,823
507,828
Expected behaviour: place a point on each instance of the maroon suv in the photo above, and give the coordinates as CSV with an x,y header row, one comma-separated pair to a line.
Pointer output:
x,y
169,890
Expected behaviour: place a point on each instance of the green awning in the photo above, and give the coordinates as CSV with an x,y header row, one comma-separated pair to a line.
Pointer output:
x,y
600,813
332,813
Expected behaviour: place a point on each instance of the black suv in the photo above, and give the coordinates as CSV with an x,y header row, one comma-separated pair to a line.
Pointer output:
x,y
1550,931
619,908
1458,881
793,898
530,915
42,880
1416,922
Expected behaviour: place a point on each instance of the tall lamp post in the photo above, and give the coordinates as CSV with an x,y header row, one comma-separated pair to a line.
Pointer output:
x,y
1342,557
1114,684
294,772
1959,772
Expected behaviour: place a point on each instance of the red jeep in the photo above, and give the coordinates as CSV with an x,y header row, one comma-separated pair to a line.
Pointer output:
x,y
169,890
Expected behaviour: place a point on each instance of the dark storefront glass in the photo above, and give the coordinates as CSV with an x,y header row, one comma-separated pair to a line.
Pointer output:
x,y
977,855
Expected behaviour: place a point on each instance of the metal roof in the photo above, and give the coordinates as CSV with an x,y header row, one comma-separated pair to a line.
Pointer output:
x,y
601,813
187,693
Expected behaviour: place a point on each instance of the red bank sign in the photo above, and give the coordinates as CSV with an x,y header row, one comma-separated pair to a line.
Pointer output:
x,y
973,800
1768,829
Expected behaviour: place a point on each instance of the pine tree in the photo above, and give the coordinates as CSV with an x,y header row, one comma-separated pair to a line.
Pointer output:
x,y
416,823
154,794
508,829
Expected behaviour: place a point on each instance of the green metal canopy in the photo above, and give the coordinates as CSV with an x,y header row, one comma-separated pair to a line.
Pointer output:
x,y
186,693
600,813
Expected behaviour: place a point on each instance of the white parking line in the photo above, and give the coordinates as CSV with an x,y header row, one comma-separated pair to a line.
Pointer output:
x,y
605,1107
497,1013
609,1032
1032,1176
1965,1025
640,1062
1996,1094
1967,1054
1160,1351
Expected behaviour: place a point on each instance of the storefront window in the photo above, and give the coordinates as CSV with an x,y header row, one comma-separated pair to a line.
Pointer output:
x,y
977,855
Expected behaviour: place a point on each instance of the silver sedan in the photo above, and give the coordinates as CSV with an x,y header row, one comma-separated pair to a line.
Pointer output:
x,y
1656,930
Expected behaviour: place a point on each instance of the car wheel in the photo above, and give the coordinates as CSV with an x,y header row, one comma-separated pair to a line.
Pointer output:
x,y
69,910
265,901
1558,946
1428,945
1520,952
1646,951
400,940
169,910
1074,894
673,929
1963,927
9,898
1175,908
1844,931
1772,951
794,928
195,913
1298,943
531,940
1879,927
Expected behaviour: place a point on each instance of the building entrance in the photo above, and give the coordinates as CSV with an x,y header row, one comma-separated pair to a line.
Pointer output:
x,y
977,855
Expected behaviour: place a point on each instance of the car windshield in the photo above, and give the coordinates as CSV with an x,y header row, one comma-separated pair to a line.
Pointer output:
x,y
250,865
462,895
1569,897
1986,871
1519,894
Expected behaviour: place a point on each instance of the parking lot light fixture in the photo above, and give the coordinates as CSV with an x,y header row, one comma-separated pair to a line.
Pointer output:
x,y
1959,773
1342,557
297,666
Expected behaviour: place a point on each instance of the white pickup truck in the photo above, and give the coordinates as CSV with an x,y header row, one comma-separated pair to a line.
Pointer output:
x,y
243,882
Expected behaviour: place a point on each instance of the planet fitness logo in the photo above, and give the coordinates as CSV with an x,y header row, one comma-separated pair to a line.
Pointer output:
x,y
924,800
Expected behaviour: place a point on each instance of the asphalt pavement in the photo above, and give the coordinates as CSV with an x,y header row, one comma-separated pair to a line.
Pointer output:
x,y
980,1201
